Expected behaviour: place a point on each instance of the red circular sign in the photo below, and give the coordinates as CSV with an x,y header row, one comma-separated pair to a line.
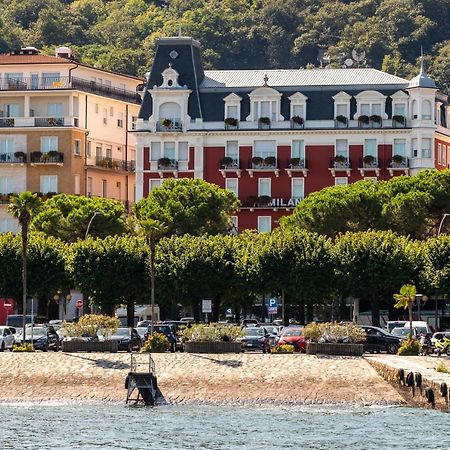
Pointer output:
x,y
79,304
7,305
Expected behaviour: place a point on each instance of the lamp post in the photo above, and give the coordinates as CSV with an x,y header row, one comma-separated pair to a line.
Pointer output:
x,y
442,222
419,298
96,213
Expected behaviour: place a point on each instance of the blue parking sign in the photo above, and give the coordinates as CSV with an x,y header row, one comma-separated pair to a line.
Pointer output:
x,y
273,303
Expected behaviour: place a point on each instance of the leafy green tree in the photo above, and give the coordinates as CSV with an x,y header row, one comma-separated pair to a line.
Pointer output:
x,y
23,207
405,299
67,217
110,271
189,206
373,265
436,269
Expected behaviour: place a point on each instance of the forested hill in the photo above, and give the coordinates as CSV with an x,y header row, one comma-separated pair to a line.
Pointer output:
x,y
119,34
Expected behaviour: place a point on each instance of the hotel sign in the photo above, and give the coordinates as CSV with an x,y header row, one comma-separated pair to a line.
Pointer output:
x,y
284,202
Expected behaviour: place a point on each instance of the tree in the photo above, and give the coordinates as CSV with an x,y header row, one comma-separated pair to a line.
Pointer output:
x,y
23,207
189,206
405,299
67,217
436,267
373,265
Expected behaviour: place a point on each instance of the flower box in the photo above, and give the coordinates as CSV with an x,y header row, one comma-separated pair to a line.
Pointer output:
x,y
89,346
330,348
212,347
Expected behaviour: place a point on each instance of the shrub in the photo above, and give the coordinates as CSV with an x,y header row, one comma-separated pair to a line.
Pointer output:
x,y
334,332
89,325
283,348
297,119
341,119
214,332
231,121
24,348
409,347
442,368
164,162
156,343
264,120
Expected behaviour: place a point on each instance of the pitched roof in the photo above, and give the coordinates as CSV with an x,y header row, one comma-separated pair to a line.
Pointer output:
x,y
6,58
299,77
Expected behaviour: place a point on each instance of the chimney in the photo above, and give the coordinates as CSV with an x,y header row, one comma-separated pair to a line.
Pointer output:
x,y
64,52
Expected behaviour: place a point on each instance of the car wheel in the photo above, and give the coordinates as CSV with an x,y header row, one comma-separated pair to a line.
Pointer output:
x,y
45,348
56,348
392,349
129,348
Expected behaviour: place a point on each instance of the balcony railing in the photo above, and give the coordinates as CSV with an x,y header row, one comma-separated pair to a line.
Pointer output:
x,y
7,122
10,158
49,121
397,163
52,157
43,83
169,125
16,122
297,163
229,163
115,164
368,163
166,164
268,163
340,163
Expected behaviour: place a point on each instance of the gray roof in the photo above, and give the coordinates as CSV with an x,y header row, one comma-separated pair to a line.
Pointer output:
x,y
299,77
422,80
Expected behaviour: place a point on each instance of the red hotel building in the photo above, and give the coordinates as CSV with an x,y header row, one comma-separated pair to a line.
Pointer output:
x,y
274,136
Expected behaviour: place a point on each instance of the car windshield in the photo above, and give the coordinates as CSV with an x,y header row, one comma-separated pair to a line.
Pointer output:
x,y
161,329
36,332
254,332
292,332
122,332
400,331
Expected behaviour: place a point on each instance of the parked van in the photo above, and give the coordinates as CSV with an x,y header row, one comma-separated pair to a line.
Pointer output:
x,y
420,325
391,324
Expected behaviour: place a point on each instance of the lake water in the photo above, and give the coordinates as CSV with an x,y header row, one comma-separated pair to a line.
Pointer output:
x,y
107,427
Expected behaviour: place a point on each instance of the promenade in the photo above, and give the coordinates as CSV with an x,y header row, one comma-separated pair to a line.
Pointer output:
x,y
193,378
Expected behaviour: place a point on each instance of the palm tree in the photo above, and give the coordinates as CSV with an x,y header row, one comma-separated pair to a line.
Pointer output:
x,y
22,207
405,299
153,231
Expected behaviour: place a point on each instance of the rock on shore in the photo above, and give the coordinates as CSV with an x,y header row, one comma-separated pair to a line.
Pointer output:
x,y
196,378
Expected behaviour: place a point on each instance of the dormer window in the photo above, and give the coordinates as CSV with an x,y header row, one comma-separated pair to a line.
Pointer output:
x,y
170,78
232,108
265,103
298,107
370,104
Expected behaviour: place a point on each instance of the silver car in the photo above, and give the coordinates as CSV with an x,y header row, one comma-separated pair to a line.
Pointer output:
x,y
6,339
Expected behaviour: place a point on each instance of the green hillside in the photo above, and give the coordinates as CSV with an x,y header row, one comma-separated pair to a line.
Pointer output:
x,y
119,34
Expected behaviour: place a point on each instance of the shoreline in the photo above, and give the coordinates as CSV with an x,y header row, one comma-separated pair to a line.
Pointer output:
x,y
197,379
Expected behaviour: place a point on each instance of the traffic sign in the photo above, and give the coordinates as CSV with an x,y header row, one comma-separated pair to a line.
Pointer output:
x,y
79,304
273,303
206,306
271,310
7,305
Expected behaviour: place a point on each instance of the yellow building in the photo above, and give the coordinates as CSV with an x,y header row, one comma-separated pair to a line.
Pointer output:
x,y
64,128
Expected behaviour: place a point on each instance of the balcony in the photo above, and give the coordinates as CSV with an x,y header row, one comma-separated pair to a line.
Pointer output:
x,y
18,122
49,121
43,83
373,121
13,158
369,164
169,125
398,164
230,165
297,165
231,124
267,164
297,123
340,164
51,157
115,164
167,165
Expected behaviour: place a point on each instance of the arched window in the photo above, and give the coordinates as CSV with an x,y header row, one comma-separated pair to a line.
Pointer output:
x,y
414,108
426,110
171,111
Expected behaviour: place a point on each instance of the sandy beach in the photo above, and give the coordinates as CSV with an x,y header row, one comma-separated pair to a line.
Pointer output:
x,y
196,378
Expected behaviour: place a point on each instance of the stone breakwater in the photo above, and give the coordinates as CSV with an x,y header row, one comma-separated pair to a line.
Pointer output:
x,y
196,378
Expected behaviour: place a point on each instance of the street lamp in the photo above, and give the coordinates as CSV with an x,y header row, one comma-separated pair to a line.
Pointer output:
x,y
442,222
96,213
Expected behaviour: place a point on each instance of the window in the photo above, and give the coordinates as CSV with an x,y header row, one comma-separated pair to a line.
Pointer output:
x,y
77,148
155,152
426,149
264,187
298,190
400,109
104,188
265,102
370,147
6,185
399,147
48,78
232,149
374,179
298,149
341,181
48,144
183,151
109,152
232,185
264,224
89,186
365,109
370,103
426,110
263,149
105,116
298,105
111,111
77,184
12,110
88,149
439,153
342,148
7,148
55,110
234,224
96,108
415,147
341,110
298,110
376,109
169,150
154,184
98,151
49,183
120,120
13,77
232,112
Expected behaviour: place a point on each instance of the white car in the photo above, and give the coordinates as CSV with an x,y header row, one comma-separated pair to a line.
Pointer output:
x,y
6,339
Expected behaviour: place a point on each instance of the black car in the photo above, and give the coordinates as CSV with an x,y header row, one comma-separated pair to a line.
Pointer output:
x,y
43,338
255,338
168,331
128,339
378,340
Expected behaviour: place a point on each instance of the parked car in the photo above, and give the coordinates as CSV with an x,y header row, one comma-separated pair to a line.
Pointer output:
x,y
249,323
391,324
142,331
378,340
127,339
421,326
6,339
274,334
187,320
255,338
168,331
43,338
403,332
293,335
